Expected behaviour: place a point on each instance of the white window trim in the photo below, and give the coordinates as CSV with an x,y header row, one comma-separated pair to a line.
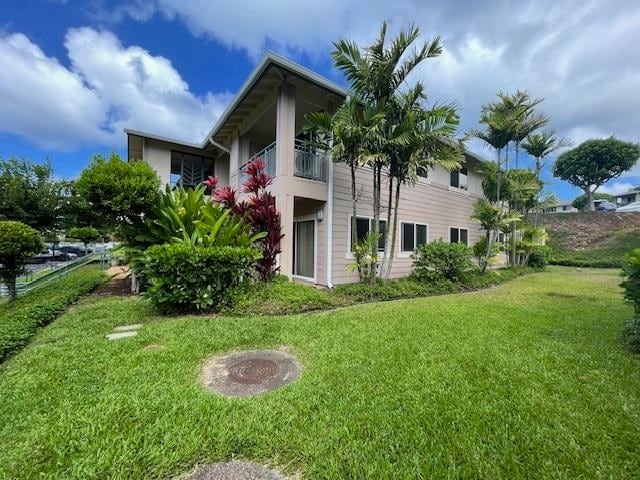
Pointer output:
x,y
459,189
307,218
459,228
349,254
400,253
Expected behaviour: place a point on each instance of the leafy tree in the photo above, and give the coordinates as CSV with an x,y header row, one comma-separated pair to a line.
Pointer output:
x,y
115,195
595,162
376,74
492,219
30,194
85,234
581,201
18,242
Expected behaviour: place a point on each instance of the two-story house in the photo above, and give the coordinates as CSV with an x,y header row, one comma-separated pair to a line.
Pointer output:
x,y
313,194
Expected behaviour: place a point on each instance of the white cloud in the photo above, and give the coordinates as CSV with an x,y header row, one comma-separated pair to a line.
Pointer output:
x,y
616,188
580,56
107,87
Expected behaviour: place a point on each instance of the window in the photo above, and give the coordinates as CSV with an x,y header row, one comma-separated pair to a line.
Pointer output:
x,y
189,170
458,235
364,225
412,236
458,179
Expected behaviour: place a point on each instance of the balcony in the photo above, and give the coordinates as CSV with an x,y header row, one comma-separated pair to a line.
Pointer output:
x,y
308,163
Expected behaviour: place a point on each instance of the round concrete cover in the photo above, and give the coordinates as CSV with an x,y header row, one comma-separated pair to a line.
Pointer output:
x,y
250,373
235,470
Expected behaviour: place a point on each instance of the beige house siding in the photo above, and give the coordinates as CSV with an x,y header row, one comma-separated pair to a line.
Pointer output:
x,y
431,201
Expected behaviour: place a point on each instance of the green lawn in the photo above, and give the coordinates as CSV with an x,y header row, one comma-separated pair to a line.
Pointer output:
x,y
525,380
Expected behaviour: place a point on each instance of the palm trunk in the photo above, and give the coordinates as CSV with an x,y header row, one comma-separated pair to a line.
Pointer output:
x,y
354,218
394,230
491,233
376,222
387,254
513,225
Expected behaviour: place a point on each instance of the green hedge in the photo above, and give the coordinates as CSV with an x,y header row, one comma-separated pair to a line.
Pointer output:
x,y
183,277
572,262
20,320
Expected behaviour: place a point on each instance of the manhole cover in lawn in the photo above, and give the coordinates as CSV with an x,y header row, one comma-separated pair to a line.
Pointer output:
x,y
250,373
234,470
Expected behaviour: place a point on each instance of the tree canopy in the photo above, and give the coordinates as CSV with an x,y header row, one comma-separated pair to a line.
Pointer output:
x,y
30,194
594,162
18,242
112,194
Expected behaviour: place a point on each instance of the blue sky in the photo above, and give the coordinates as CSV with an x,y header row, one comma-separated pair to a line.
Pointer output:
x,y
76,72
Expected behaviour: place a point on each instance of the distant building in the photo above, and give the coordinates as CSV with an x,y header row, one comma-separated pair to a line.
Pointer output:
x,y
561,207
626,198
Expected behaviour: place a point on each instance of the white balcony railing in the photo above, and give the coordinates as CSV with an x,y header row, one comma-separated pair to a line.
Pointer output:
x,y
308,162
268,156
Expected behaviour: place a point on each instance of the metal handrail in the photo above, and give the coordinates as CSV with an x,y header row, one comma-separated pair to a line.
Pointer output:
x,y
268,155
25,287
309,162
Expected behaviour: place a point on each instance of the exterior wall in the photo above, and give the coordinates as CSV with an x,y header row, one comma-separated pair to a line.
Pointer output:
x,y
158,155
431,201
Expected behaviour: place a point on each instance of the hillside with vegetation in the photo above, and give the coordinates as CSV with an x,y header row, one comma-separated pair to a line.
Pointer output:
x,y
598,239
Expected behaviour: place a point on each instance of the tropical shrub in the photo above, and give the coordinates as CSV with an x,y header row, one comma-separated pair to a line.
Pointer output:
x,y
481,247
439,260
18,242
363,260
260,210
185,277
188,215
20,320
538,256
631,285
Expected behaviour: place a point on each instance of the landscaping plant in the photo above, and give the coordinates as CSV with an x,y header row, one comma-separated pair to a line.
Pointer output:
x,y
184,277
631,285
440,260
260,211
18,242
21,319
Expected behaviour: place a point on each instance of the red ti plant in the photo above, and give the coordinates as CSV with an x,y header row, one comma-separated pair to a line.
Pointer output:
x,y
259,209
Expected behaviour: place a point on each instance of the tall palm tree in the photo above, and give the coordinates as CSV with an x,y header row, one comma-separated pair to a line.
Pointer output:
x,y
425,139
496,134
540,146
376,75
344,135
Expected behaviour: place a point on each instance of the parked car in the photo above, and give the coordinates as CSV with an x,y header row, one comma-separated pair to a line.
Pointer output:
x,y
606,207
631,207
73,249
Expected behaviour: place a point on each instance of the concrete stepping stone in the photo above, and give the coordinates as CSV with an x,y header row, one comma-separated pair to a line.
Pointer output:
x,y
235,470
126,328
119,335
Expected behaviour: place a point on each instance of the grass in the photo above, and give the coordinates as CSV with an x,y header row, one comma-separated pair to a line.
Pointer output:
x,y
282,297
607,255
19,320
527,380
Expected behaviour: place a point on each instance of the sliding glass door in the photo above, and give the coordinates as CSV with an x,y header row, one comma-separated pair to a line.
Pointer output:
x,y
304,248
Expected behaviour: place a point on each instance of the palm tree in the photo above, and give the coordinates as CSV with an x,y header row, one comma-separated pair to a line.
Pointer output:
x,y
496,134
425,139
540,146
376,75
343,135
